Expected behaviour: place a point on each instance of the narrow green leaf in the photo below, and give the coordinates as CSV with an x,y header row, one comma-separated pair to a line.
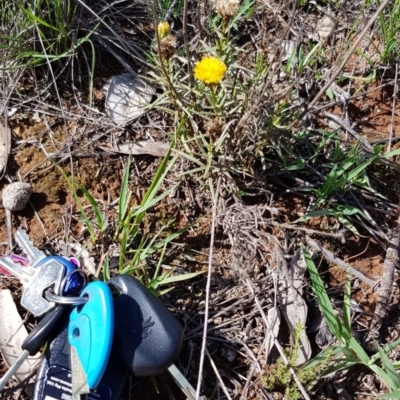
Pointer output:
x,y
125,195
389,369
392,153
387,349
323,299
392,395
96,208
346,306
179,278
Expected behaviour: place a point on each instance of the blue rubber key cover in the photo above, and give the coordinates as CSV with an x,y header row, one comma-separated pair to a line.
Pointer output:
x,y
90,331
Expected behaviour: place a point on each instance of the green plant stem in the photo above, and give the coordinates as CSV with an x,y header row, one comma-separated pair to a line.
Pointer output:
x,y
222,39
214,99
166,74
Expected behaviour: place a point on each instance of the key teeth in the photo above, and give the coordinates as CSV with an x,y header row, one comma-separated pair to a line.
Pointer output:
x,y
21,235
26,245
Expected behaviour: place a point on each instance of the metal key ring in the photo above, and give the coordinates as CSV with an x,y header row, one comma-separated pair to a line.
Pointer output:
x,y
66,300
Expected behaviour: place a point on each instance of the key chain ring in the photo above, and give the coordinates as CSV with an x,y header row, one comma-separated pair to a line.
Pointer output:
x,y
66,300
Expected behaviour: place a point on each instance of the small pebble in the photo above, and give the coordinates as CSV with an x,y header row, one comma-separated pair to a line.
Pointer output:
x,y
16,195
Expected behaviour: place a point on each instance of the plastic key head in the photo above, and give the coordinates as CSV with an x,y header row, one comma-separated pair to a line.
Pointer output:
x,y
90,334
54,377
147,337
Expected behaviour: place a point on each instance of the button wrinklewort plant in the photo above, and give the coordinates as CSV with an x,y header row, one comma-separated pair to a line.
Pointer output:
x,y
210,92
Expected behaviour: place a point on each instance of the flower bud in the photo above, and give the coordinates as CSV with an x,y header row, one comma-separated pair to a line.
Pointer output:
x,y
164,29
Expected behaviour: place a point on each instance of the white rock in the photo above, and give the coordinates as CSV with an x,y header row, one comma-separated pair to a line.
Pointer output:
x,y
16,195
127,98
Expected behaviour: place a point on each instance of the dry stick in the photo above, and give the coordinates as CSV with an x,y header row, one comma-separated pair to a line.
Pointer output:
x,y
225,390
393,110
345,60
385,289
185,39
10,236
355,96
331,257
348,128
208,287
9,230
341,235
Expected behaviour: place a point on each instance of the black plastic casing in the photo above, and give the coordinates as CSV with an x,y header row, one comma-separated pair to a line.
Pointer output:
x,y
53,379
147,337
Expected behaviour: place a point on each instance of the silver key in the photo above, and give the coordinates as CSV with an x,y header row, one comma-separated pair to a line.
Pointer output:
x,y
36,281
33,254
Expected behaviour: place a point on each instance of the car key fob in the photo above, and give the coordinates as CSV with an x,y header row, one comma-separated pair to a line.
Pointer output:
x,y
147,337
54,378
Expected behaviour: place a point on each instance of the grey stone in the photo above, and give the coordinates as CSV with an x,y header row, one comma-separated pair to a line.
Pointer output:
x,y
16,195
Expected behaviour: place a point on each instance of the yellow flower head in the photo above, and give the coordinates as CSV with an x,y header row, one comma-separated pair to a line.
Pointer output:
x,y
210,70
164,29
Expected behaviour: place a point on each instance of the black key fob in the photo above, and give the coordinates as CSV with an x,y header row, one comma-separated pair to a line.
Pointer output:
x,y
53,379
147,337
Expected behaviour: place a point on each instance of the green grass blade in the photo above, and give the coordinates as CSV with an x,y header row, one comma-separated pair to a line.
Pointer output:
x,y
323,299
100,218
389,369
346,306
387,349
393,395
179,278
106,268
125,195
79,203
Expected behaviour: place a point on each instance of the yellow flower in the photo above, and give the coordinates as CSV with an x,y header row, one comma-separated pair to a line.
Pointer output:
x,y
164,29
210,70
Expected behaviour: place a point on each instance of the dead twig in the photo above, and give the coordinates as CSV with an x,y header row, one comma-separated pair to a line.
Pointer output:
x,y
208,288
336,260
186,42
341,235
392,132
385,289
348,128
225,390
